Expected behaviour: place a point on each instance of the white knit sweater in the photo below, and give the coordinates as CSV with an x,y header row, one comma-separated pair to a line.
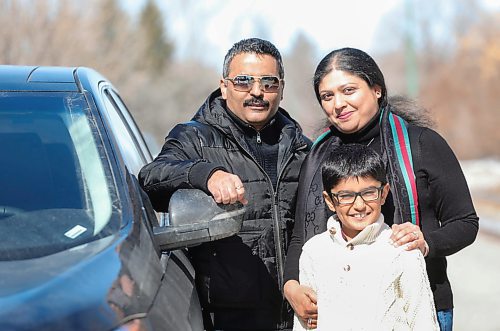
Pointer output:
x,y
366,283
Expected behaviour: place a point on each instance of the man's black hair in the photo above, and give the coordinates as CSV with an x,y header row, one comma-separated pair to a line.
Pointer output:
x,y
253,45
350,161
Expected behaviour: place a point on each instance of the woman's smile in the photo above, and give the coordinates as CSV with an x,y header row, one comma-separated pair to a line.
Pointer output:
x,y
345,116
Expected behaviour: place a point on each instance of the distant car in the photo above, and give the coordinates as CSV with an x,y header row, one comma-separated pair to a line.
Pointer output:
x,y
80,246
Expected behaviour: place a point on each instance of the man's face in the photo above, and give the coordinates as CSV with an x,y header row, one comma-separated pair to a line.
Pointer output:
x,y
255,107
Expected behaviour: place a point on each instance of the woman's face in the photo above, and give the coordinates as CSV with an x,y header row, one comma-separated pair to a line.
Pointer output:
x,y
348,101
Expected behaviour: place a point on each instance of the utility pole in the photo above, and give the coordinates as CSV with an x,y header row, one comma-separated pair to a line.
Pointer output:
x,y
411,68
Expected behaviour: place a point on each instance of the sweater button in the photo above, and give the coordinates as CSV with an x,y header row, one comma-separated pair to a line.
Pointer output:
x,y
350,247
347,267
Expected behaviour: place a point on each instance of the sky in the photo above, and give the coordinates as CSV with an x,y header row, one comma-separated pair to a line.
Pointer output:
x,y
206,29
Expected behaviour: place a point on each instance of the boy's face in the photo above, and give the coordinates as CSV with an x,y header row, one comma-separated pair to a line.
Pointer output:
x,y
365,209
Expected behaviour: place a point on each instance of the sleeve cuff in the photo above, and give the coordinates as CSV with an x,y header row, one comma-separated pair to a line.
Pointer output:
x,y
200,173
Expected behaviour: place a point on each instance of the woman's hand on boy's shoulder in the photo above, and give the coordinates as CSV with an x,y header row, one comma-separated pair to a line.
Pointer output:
x,y
410,235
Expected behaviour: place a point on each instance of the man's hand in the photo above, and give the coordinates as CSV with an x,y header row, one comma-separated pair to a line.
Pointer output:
x,y
410,235
226,188
304,302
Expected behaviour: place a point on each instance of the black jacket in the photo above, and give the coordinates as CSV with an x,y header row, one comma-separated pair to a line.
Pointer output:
x,y
239,278
447,216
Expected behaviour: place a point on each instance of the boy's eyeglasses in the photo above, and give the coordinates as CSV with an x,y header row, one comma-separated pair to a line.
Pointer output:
x,y
244,83
348,197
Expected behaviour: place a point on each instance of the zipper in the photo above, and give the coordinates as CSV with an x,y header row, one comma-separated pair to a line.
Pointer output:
x,y
278,246
277,236
277,229
277,242
277,233
276,224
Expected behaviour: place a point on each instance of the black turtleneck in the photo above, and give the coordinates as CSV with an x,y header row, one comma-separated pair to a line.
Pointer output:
x,y
369,135
263,144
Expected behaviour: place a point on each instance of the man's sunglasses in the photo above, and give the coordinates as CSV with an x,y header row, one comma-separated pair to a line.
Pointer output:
x,y
244,83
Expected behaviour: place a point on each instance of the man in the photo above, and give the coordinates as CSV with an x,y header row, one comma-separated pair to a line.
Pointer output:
x,y
239,146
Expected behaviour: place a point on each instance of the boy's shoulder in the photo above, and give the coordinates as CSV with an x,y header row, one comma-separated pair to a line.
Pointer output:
x,y
399,252
318,241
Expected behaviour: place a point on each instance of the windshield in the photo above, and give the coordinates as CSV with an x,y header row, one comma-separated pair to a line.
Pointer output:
x,y
56,185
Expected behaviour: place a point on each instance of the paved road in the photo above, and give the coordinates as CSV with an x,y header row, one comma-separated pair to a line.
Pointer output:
x,y
474,273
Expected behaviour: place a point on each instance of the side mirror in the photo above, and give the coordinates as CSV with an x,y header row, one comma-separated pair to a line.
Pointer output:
x,y
194,218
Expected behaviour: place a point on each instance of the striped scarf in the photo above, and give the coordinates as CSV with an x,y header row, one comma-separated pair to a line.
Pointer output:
x,y
396,146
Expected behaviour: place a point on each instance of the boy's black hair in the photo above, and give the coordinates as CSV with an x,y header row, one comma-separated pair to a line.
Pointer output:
x,y
352,160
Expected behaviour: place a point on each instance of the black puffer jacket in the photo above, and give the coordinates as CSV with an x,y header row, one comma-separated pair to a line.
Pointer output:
x,y
238,277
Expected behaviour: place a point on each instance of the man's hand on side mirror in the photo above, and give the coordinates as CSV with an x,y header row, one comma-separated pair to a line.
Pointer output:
x,y
226,188
304,302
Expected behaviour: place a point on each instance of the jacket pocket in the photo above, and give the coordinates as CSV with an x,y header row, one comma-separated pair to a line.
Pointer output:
x,y
235,269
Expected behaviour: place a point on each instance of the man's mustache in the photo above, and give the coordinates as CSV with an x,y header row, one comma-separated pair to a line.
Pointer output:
x,y
256,102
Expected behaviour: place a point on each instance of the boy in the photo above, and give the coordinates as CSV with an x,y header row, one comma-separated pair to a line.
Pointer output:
x,y
362,281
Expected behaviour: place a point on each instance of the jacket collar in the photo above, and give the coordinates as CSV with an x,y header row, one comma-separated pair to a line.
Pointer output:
x,y
214,112
366,236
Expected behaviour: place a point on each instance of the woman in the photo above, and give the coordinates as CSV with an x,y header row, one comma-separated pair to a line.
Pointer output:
x,y
351,91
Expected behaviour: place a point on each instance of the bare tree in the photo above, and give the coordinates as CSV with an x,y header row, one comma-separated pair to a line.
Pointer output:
x,y
299,98
458,65
156,50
